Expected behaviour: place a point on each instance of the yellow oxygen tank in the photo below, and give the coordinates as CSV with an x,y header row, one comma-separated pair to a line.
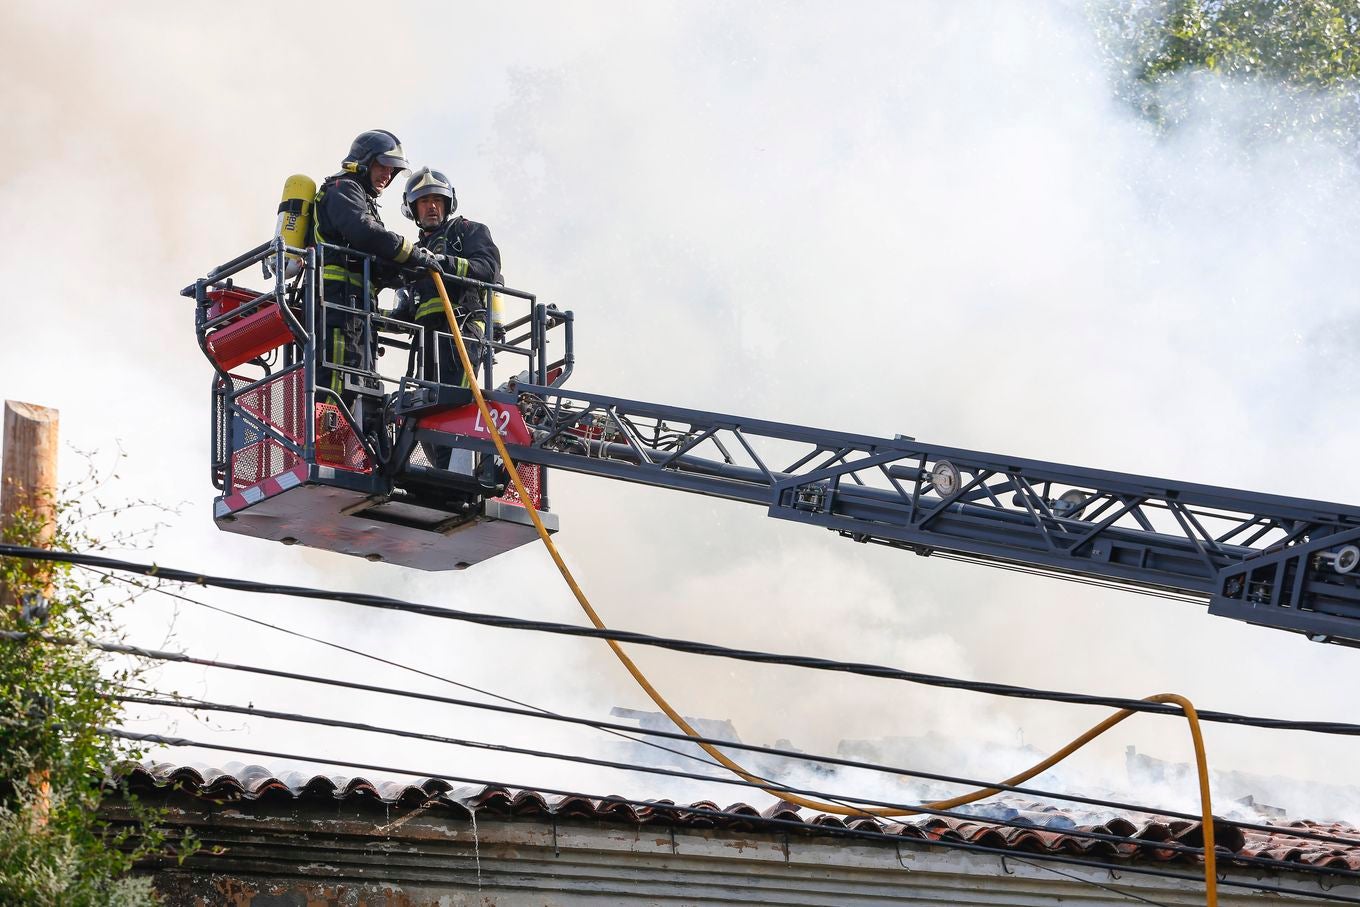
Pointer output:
x,y
295,216
497,312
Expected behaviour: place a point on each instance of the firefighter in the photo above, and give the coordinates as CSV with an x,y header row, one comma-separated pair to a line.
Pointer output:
x,y
462,248
346,214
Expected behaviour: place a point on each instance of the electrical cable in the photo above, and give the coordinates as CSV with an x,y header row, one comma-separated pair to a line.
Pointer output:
x,y
180,657
198,704
1196,737
300,635
367,600
746,818
623,733
203,705
679,645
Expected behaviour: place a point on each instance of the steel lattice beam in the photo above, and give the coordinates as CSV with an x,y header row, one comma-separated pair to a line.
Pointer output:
x,y
1202,542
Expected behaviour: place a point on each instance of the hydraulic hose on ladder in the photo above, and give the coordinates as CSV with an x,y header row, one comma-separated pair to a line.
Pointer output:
x,y
1201,762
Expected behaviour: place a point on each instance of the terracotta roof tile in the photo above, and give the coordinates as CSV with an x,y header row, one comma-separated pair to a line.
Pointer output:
x,y
574,806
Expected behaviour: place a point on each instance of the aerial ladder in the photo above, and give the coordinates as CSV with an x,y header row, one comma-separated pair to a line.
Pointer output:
x,y
358,472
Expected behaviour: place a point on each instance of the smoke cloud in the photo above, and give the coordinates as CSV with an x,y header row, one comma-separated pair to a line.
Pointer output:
x,y
931,219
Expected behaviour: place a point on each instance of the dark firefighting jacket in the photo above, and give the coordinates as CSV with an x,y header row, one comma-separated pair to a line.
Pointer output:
x,y
346,214
466,250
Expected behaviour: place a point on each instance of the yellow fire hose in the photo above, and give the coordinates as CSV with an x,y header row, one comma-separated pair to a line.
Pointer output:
x,y
1201,763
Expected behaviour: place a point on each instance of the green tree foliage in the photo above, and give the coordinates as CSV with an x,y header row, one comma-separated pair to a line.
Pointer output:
x,y
1169,54
54,763
1303,42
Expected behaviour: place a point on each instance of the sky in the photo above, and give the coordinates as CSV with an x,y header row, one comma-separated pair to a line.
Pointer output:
x,y
927,218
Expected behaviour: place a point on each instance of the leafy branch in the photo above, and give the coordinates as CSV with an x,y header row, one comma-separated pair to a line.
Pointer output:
x,y
55,765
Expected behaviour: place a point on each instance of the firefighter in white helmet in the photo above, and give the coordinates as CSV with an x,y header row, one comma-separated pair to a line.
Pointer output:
x,y
463,248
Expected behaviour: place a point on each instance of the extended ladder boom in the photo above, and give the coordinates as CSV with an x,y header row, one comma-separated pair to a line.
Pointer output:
x,y
1267,559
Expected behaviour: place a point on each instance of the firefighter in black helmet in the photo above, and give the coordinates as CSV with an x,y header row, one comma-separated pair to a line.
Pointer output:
x,y
462,248
346,214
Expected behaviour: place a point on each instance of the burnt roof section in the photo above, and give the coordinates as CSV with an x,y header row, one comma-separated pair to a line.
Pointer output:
x,y
1048,828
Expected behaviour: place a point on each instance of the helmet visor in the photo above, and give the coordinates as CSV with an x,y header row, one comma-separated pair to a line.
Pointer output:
x,y
427,182
396,158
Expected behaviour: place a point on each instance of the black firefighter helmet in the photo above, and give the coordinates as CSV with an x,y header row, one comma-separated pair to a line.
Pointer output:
x,y
375,145
425,182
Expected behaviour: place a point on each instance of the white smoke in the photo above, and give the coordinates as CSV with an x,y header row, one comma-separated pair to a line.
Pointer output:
x,y
931,219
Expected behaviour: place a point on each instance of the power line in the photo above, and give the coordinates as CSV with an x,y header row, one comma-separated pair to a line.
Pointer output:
x,y
623,733
769,822
620,731
599,631
197,705
181,576
678,645
325,642
180,657
123,648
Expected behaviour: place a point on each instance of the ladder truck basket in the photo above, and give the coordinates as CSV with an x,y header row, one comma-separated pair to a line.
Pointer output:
x,y
349,454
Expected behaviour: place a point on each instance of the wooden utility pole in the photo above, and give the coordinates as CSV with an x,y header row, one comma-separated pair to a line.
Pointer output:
x,y
28,472
28,482
29,477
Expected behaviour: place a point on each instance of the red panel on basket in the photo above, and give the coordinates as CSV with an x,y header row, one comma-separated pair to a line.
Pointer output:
x,y
467,420
254,335
531,475
278,404
228,299
258,461
336,443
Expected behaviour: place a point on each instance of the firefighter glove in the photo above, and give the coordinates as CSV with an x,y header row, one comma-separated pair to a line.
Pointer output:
x,y
423,259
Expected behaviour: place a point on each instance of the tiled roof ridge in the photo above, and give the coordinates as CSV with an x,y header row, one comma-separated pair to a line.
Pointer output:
x,y
1046,829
